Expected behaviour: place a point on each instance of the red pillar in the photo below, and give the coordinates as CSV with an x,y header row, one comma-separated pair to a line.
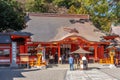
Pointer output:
x,y
102,51
98,52
73,47
96,55
59,53
26,48
22,49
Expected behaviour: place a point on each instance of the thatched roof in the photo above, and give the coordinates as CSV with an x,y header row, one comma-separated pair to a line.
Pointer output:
x,y
115,30
51,27
85,30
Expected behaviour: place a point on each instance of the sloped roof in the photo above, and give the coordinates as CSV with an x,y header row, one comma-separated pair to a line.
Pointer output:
x,y
81,51
51,28
19,33
115,30
5,39
85,30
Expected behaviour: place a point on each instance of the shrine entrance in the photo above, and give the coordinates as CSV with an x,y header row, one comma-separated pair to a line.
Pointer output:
x,y
72,43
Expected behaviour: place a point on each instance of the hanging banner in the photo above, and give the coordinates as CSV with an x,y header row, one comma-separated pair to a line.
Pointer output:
x,y
43,54
14,52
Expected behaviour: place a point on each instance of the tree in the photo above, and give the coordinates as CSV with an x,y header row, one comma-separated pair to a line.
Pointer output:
x,y
103,13
100,15
39,6
79,6
72,10
11,16
115,10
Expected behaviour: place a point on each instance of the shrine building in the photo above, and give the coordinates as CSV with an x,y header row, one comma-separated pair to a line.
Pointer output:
x,y
59,33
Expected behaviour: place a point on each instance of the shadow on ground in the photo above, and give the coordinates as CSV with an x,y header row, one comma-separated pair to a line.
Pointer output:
x,y
89,68
52,65
7,73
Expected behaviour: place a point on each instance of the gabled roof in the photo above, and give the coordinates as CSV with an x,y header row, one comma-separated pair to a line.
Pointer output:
x,y
46,28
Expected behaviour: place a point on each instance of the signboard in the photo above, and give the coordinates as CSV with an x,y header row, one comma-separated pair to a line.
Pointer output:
x,y
14,52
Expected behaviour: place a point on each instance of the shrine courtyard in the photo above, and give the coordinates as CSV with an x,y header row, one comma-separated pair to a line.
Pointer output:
x,y
61,72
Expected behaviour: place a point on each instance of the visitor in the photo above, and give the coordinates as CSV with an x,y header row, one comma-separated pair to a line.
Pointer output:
x,y
63,58
60,60
51,58
47,58
71,62
84,61
56,58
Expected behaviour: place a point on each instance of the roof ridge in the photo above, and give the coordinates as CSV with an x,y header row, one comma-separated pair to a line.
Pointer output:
x,y
81,16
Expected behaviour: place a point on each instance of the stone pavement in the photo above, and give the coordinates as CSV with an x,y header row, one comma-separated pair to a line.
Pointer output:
x,y
61,72
95,72
92,74
115,72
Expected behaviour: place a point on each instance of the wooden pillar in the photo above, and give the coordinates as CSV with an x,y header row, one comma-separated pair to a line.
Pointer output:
x,y
96,55
59,53
22,49
26,48
102,52
26,45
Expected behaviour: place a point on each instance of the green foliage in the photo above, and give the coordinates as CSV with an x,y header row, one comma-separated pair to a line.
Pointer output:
x,y
100,16
39,5
79,7
11,16
72,10
117,13
29,6
36,6
101,12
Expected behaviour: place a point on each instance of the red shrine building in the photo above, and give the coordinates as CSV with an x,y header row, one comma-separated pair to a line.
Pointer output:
x,y
56,33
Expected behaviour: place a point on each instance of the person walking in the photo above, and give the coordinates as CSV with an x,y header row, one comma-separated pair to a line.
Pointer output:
x,y
71,62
